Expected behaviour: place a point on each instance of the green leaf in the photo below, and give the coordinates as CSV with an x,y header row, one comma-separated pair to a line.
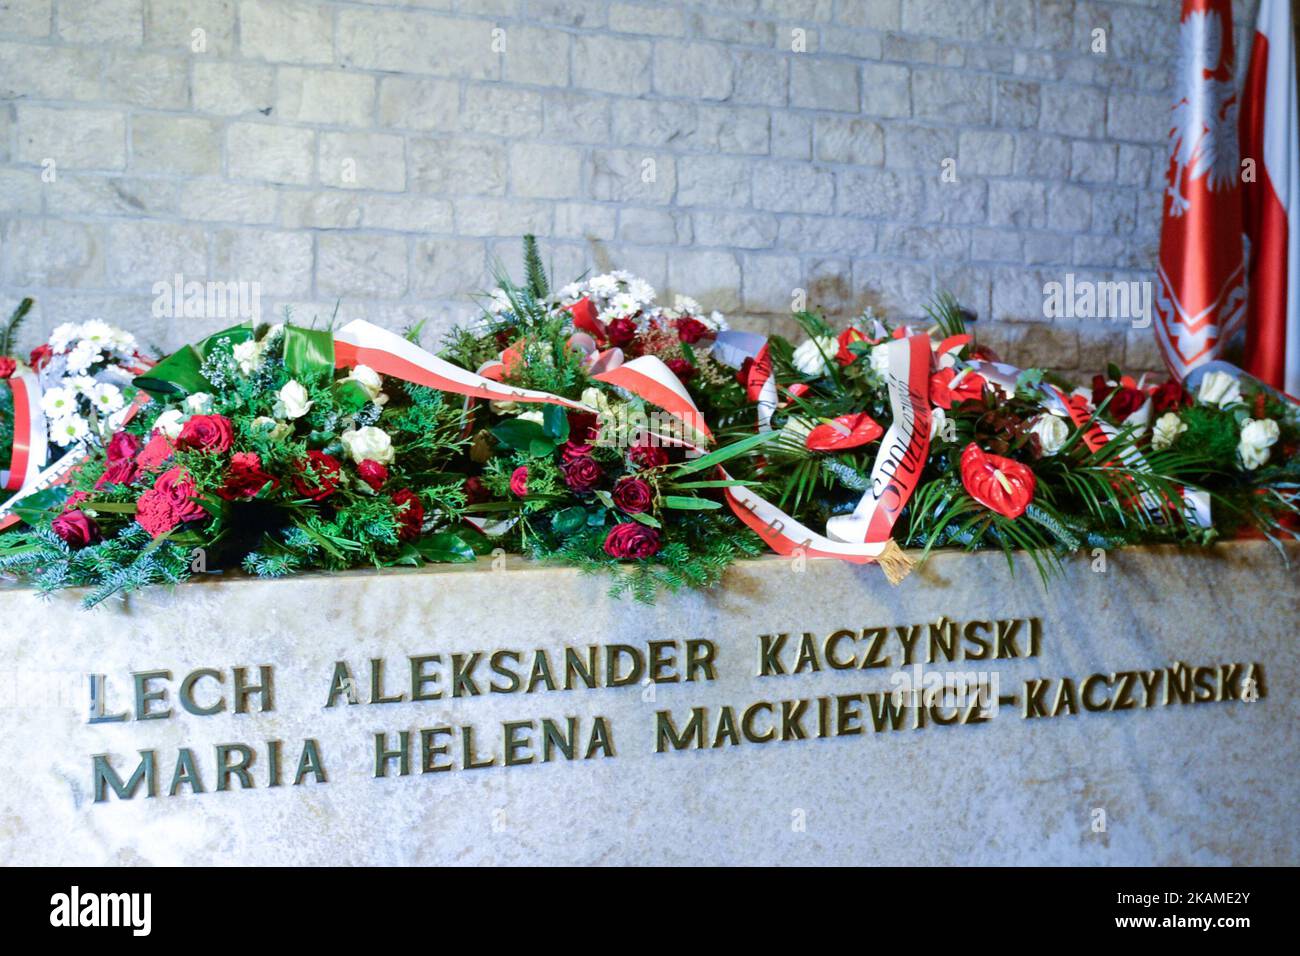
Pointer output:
x,y
725,453
541,447
177,374
555,422
350,396
690,503
308,353
518,434
445,547
646,519
569,520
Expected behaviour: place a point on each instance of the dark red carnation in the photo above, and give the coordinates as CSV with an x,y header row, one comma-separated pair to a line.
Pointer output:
x,y
40,357
119,472
648,456
633,495
7,367
410,514
75,529
620,332
210,433
155,452
318,476
683,369
372,473
519,480
582,474
631,540
168,503
123,445
691,330
245,477
1125,403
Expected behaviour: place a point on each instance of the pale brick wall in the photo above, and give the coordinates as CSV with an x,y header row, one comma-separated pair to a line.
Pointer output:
x,y
383,154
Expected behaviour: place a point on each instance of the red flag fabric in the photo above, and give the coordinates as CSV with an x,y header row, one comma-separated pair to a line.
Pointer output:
x,y
1271,202
1200,293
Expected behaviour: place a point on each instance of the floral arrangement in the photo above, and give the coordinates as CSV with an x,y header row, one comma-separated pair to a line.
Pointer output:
x,y
594,427
255,452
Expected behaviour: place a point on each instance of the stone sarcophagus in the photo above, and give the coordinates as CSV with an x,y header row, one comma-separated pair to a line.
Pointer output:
x,y
1139,710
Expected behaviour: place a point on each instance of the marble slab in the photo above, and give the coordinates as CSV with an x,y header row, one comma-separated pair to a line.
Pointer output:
x,y
1209,782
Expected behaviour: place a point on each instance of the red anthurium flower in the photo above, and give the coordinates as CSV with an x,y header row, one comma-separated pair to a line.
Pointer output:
x,y
999,484
847,431
948,387
845,356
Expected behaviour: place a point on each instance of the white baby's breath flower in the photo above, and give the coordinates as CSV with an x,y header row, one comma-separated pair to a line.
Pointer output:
x,y
58,403
170,422
811,356
1166,431
1257,437
1219,388
369,442
276,431
292,401
68,430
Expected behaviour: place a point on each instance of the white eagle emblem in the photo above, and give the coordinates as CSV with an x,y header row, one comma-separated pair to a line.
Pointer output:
x,y
1204,133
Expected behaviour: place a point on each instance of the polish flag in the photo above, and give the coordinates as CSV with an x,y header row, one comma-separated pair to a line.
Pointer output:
x,y
1200,297
1271,202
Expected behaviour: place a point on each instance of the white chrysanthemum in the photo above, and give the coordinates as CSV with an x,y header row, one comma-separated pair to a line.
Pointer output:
x,y
123,341
64,335
106,398
811,356
603,286
81,384
83,355
716,321
685,305
59,403
68,430
572,291
100,333
621,306
641,290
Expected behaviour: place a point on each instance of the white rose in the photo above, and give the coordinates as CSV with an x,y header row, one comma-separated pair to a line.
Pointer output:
x,y
1052,432
248,355
1219,388
534,416
937,419
1166,431
370,382
276,431
170,422
200,403
1257,437
368,442
292,401
810,357
879,358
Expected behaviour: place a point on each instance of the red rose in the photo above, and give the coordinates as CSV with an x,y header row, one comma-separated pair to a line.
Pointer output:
x,y
7,366
372,473
620,332
119,472
647,456
1125,403
683,369
944,394
633,495
168,503
1169,397
155,453
519,480
690,330
583,427
846,356
123,445
410,514
631,540
572,451
40,357
475,491
582,474
75,529
245,478
210,433
319,475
